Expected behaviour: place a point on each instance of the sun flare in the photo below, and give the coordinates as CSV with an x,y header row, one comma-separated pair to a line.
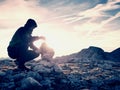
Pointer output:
x,y
51,42
56,37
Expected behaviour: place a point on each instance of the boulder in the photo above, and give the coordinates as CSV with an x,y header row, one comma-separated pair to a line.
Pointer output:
x,y
30,84
2,74
34,75
45,66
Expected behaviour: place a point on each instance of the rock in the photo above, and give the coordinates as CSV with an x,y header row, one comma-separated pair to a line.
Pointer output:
x,y
46,67
42,69
75,81
114,81
97,82
30,84
105,66
34,75
18,77
11,86
46,83
117,87
2,74
6,62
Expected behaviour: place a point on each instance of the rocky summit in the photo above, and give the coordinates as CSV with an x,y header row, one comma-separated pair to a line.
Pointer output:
x,y
89,69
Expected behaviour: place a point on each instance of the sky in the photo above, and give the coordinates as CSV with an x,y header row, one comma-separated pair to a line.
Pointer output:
x,y
68,25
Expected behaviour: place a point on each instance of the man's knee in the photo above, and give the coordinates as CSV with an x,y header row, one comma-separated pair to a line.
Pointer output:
x,y
28,55
37,54
32,54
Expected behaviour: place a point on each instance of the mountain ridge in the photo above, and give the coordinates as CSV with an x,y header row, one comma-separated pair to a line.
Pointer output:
x,y
92,52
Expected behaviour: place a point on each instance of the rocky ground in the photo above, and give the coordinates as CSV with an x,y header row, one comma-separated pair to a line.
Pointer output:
x,y
82,75
75,74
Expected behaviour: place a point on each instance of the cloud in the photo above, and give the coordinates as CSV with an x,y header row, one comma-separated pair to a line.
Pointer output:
x,y
95,18
113,24
1,1
99,11
67,7
64,11
16,12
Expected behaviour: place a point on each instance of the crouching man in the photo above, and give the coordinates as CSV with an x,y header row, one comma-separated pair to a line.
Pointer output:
x,y
21,41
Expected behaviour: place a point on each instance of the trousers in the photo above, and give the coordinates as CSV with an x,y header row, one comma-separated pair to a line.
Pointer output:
x,y
21,54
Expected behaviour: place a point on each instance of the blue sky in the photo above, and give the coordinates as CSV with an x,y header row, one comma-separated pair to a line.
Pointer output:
x,y
69,25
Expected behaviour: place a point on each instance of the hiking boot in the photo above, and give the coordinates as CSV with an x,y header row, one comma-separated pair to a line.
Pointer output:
x,y
23,68
16,62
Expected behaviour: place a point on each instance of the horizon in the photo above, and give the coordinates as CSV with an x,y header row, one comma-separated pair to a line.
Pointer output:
x,y
68,25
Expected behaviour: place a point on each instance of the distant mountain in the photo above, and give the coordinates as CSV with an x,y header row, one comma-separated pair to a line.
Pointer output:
x,y
91,53
64,59
116,54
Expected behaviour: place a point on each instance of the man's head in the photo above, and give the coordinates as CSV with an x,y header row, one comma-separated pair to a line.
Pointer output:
x,y
31,24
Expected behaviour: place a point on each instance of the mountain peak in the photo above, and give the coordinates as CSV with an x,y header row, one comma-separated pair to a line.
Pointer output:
x,y
116,54
93,48
116,51
92,53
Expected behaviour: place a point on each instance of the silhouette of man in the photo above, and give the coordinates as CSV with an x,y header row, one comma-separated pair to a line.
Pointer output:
x,y
21,41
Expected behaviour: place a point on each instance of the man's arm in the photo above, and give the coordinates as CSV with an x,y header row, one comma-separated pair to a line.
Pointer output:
x,y
34,38
32,46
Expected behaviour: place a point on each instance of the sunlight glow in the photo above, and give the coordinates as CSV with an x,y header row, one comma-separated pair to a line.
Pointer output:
x,y
57,38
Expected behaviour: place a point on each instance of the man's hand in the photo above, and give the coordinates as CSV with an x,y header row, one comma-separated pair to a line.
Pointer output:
x,y
42,37
34,38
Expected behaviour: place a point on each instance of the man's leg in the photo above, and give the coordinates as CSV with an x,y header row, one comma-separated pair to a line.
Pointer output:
x,y
26,56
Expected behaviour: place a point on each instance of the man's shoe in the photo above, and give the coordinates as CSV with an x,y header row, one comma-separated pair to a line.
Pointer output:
x,y
16,62
23,68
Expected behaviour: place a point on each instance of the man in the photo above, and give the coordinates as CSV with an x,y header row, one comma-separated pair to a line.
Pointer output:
x,y
21,41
